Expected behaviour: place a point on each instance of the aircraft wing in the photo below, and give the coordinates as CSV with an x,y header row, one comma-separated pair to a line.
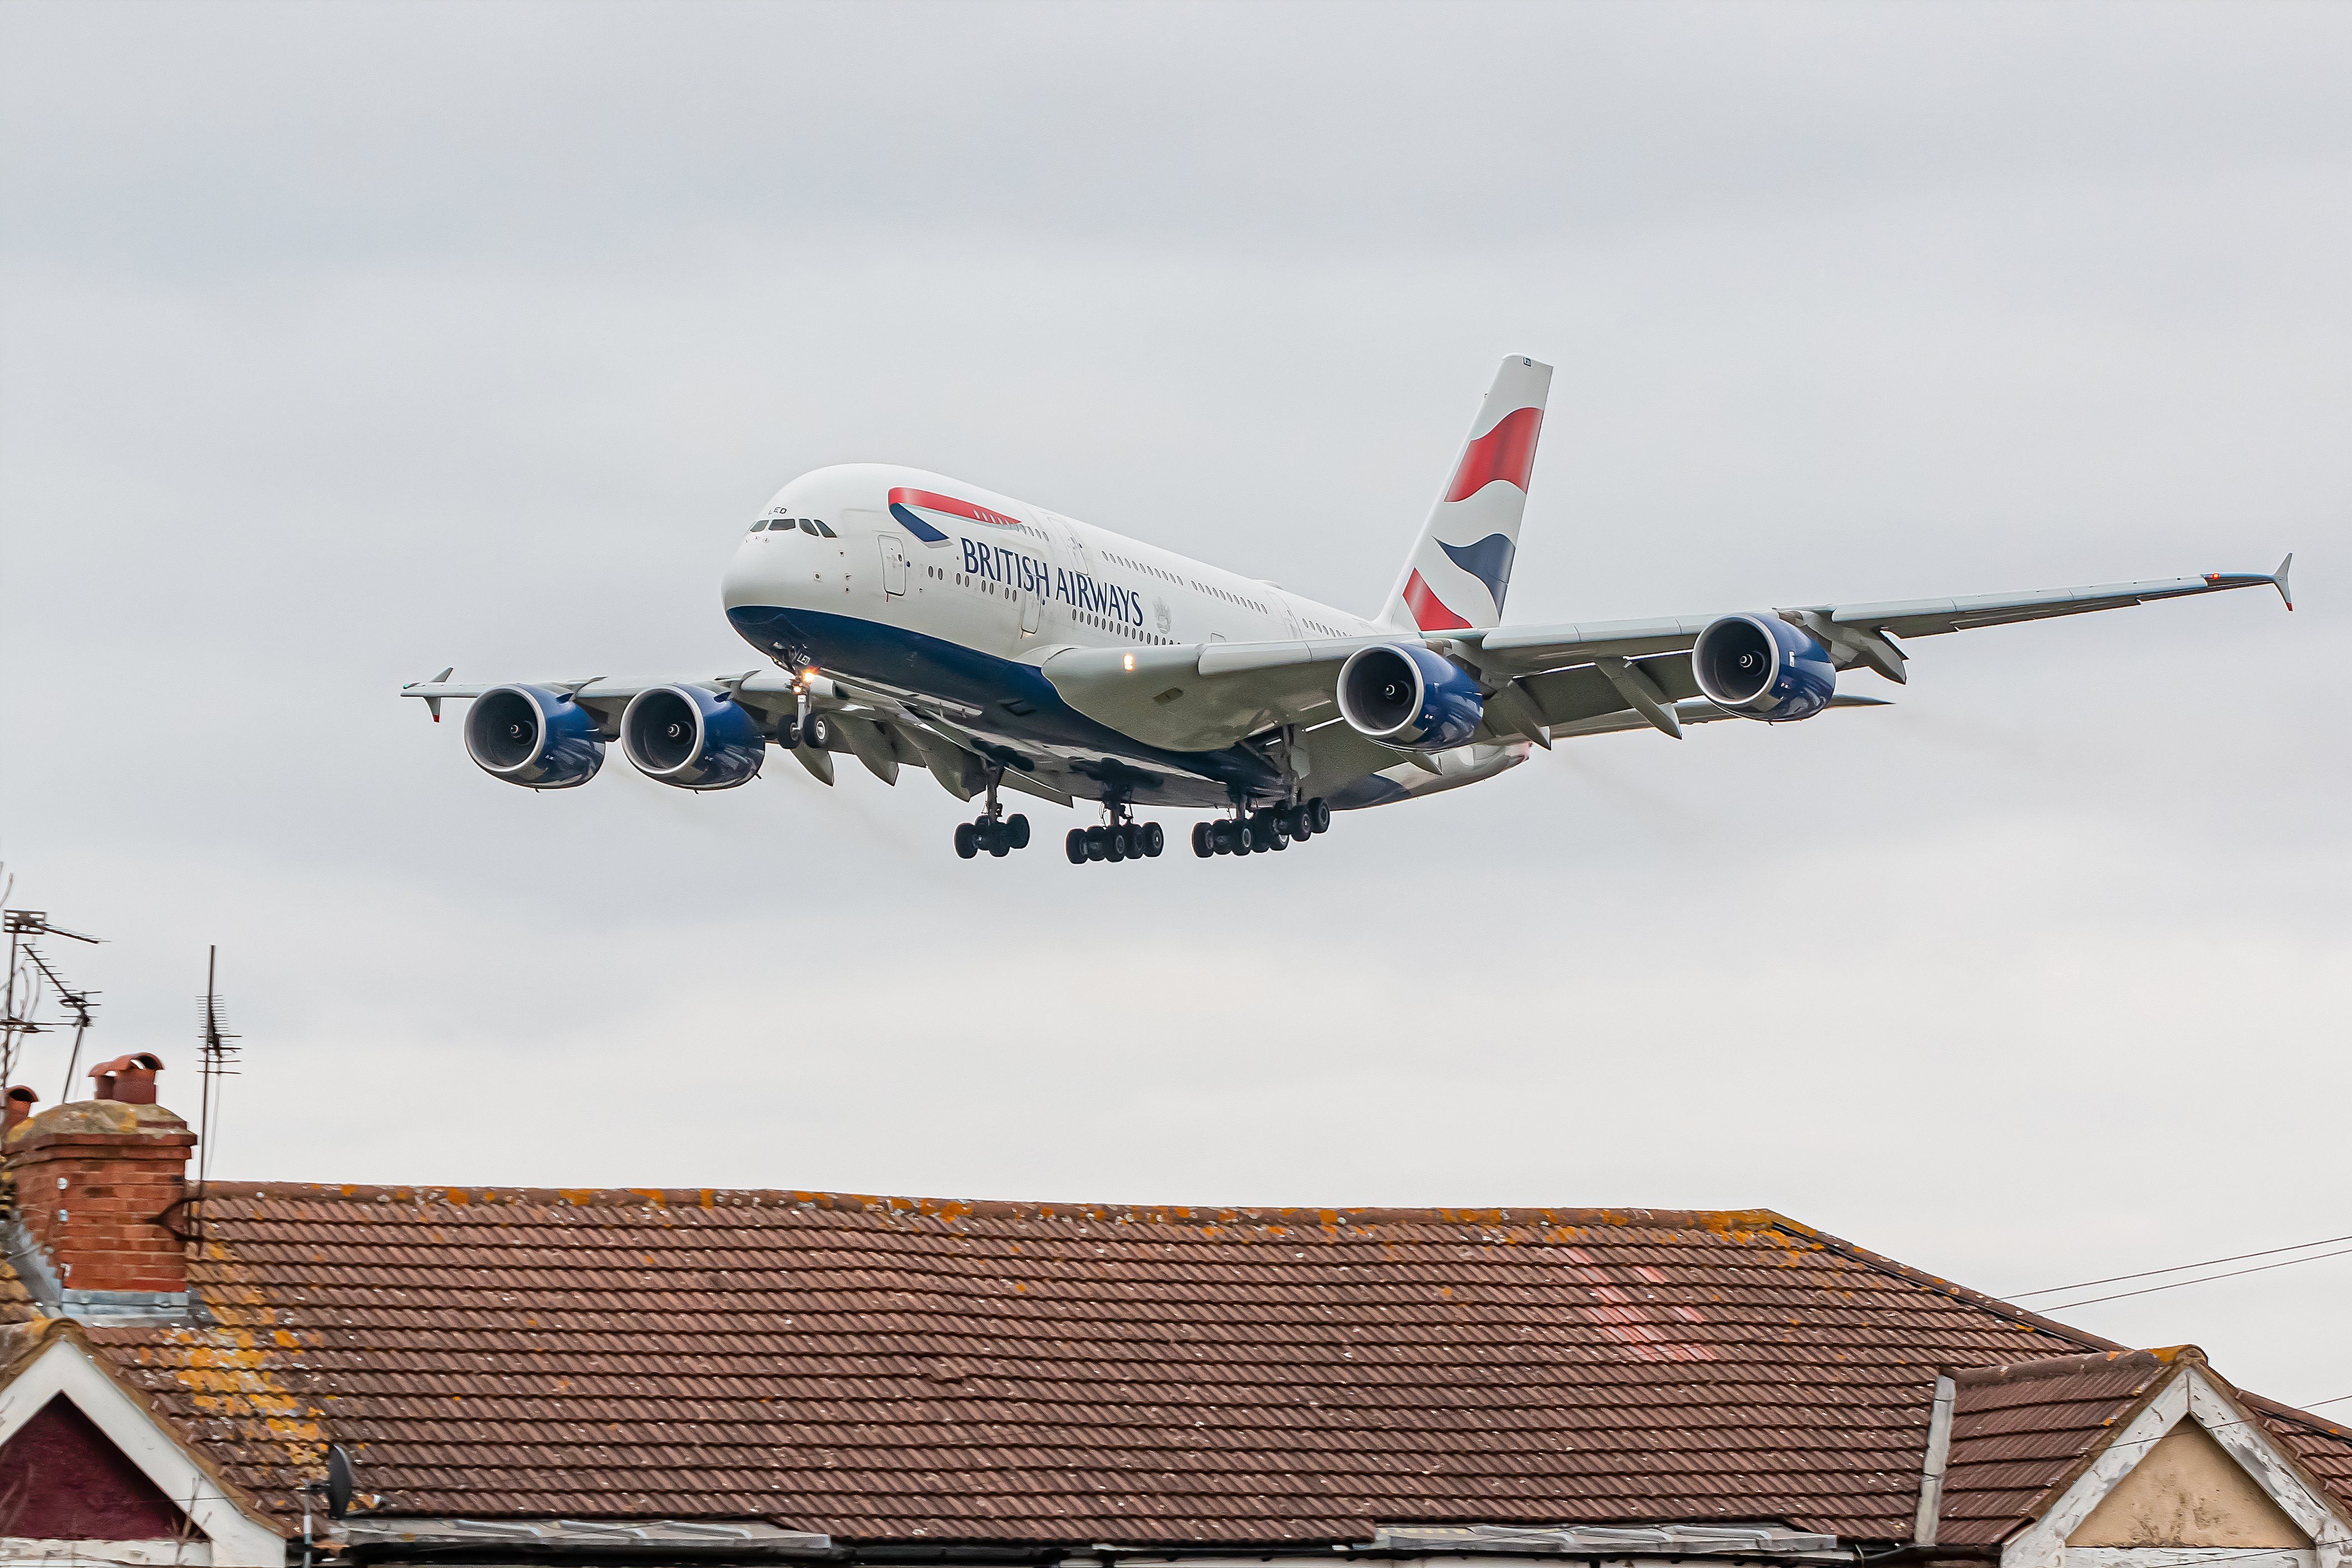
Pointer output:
x,y
871,724
1541,680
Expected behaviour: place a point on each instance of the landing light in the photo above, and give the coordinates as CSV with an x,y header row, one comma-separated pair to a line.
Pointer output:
x,y
1130,661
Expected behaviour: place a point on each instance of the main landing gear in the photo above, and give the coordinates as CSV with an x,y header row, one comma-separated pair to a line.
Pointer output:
x,y
1263,830
991,831
1122,838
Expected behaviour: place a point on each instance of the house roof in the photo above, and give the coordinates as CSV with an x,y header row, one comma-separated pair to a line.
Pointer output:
x,y
898,1369
2023,1432
2019,1430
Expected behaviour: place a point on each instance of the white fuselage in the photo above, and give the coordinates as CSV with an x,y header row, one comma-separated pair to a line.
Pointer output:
x,y
1037,582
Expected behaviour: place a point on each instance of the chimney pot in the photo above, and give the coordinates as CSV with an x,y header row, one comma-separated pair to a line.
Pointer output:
x,y
128,1080
20,1102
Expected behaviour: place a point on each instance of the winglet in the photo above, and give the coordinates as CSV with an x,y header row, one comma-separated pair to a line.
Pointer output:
x,y
2278,578
432,704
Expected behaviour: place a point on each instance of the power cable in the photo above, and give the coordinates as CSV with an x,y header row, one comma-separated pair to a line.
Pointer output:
x,y
2201,1280
2146,1273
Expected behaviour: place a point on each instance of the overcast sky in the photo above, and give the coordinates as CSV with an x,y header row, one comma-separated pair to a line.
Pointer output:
x,y
340,344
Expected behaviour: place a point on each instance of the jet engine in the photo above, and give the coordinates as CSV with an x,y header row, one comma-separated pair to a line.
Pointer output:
x,y
1760,667
1407,696
689,738
533,736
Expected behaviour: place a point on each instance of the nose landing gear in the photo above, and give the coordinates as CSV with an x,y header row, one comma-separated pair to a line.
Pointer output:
x,y
992,832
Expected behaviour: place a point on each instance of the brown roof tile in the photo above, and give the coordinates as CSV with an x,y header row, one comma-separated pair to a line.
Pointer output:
x,y
892,1368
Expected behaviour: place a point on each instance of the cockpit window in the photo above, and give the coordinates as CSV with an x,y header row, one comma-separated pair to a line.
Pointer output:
x,y
808,525
759,525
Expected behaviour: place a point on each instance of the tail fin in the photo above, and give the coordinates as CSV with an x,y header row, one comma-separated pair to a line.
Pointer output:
x,y
1459,567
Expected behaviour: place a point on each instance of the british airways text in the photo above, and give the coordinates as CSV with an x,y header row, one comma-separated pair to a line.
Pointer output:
x,y
999,564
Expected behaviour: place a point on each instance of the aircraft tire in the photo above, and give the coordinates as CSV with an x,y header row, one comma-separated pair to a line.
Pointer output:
x,y
1204,840
998,846
1016,831
967,841
1299,821
1115,845
1155,839
1075,847
1096,848
1319,814
818,731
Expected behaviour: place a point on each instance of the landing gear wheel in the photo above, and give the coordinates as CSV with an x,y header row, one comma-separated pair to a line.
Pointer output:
x,y
818,731
1296,820
1204,840
1097,850
1075,847
1115,843
1318,815
1016,831
1155,839
967,841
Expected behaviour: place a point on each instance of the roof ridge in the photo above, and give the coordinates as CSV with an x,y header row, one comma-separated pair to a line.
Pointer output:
x,y
1977,1298
1324,1217
2062,1366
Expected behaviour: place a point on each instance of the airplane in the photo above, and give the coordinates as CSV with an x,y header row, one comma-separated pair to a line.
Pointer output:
x,y
905,618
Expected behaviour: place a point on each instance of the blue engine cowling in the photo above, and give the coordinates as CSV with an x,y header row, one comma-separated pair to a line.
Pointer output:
x,y
1760,667
1406,696
691,739
533,736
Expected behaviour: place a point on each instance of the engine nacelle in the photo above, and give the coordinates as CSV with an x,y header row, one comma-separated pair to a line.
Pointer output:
x,y
687,738
1760,667
533,736
1406,696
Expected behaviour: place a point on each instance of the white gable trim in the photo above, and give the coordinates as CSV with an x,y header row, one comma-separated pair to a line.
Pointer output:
x,y
2192,1393
2190,1557
238,1539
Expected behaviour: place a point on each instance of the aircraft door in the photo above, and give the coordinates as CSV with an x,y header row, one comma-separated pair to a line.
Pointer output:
x,y
894,568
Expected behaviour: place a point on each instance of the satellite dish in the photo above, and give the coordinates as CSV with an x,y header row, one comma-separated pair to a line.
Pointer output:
x,y
339,1481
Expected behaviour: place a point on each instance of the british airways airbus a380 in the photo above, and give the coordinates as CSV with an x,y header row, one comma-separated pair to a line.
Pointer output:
x,y
906,617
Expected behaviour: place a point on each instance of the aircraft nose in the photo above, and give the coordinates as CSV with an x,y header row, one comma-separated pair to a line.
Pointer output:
x,y
741,584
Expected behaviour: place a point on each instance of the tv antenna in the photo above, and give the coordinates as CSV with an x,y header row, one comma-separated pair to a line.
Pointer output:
x,y
83,1005
219,1050
20,998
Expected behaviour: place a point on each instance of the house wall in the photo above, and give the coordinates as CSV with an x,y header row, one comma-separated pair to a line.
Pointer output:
x,y
60,1479
2188,1491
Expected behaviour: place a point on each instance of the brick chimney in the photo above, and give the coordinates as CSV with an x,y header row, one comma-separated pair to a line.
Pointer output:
x,y
97,1182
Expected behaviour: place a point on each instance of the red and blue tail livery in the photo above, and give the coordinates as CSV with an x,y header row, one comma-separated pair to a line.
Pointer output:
x,y
1459,567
